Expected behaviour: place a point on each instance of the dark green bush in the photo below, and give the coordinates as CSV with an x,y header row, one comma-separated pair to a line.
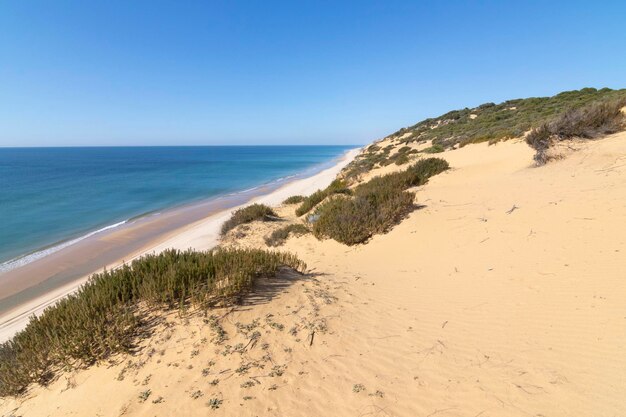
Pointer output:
x,y
336,187
294,199
248,214
279,236
436,148
376,206
104,316
354,220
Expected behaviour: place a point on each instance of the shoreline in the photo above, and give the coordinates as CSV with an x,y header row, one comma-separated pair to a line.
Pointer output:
x,y
199,234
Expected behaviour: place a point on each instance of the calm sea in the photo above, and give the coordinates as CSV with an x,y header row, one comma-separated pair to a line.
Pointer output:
x,y
50,197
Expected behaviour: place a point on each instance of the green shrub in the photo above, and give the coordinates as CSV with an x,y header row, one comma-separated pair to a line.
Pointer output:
x,y
294,199
279,236
588,122
415,175
355,220
376,206
104,317
248,214
336,187
436,148
401,159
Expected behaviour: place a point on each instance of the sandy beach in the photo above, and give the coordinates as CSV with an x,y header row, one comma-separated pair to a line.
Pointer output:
x,y
50,280
503,295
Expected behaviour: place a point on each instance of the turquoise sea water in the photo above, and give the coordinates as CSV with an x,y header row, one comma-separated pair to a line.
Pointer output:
x,y
51,196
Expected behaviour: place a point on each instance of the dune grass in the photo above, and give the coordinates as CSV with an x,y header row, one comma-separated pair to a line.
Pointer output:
x,y
104,316
248,214
376,206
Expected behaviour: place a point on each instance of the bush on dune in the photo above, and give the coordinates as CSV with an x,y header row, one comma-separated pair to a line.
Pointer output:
x,y
279,236
376,206
294,199
104,318
336,187
248,214
355,220
589,122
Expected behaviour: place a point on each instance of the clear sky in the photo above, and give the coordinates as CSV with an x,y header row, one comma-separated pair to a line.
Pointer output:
x,y
292,72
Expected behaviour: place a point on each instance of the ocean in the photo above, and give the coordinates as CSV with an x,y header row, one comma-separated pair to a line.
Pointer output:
x,y
53,197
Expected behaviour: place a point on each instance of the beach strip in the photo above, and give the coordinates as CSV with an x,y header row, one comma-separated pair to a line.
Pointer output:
x,y
199,235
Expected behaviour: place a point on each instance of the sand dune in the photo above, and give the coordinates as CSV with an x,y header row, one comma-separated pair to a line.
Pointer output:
x,y
502,296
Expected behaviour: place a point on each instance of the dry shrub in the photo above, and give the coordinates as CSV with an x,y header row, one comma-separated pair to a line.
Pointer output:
x,y
589,122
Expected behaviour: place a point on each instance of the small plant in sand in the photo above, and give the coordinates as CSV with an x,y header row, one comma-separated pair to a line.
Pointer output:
x,y
214,403
143,396
196,394
247,215
356,388
279,236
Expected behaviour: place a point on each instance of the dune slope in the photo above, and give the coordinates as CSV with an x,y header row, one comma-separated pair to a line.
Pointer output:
x,y
503,295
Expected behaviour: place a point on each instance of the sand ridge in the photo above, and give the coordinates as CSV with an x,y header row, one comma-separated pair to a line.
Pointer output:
x,y
503,295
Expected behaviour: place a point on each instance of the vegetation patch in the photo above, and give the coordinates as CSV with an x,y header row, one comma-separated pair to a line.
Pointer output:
x,y
437,148
335,187
376,205
247,215
294,199
495,122
105,315
279,236
589,122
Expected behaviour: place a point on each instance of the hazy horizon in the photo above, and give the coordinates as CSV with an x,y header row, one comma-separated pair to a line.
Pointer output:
x,y
283,73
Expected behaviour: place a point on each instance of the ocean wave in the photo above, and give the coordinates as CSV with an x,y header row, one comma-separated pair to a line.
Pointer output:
x,y
26,259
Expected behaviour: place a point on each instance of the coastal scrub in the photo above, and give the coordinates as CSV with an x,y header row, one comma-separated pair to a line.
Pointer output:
x,y
105,315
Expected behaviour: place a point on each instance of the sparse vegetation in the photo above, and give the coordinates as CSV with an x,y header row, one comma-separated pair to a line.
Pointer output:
x,y
376,206
279,236
247,215
494,122
214,403
336,187
358,388
294,199
488,122
105,315
591,121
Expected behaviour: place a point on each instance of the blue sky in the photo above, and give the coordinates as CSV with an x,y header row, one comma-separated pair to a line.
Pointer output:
x,y
293,72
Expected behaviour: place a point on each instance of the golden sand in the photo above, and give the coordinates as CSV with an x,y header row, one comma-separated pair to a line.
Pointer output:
x,y
503,296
